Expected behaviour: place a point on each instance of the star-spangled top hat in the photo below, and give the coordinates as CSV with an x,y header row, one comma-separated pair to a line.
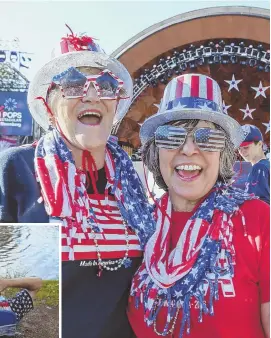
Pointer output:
x,y
75,51
252,134
192,96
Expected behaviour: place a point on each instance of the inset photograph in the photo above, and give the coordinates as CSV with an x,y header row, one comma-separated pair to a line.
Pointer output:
x,y
29,280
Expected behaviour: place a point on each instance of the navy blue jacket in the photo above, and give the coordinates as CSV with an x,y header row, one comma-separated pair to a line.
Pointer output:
x,y
19,190
258,180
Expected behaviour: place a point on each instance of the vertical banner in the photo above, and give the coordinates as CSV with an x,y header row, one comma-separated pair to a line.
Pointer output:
x,y
15,118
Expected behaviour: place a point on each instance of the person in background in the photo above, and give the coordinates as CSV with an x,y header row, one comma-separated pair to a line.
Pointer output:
x,y
22,303
251,149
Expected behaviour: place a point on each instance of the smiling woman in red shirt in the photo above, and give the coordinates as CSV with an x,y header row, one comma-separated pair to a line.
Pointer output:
x,y
206,267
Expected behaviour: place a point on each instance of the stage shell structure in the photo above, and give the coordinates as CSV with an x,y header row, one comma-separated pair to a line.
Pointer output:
x,y
230,44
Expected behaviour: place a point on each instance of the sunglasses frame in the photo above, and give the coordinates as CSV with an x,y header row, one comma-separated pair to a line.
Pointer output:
x,y
172,147
93,79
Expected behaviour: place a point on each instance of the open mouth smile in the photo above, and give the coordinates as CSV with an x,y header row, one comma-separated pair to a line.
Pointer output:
x,y
90,117
188,172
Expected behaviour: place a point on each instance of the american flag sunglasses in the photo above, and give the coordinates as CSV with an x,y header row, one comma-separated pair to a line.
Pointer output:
x,y
75,84
207,139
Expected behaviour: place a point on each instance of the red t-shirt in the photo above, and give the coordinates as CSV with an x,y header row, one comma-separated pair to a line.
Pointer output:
x,y
237,312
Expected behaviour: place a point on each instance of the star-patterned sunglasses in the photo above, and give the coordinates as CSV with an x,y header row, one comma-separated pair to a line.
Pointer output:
x,y
75,84
207,139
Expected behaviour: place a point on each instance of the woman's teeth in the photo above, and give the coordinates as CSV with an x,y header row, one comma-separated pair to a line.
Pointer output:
x,y
90,118
188,172
188,167
88,114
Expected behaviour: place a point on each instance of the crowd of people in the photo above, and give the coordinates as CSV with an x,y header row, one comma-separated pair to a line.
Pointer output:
x,y
194,263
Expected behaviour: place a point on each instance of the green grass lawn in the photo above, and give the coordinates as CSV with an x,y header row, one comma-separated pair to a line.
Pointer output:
x,y
48,294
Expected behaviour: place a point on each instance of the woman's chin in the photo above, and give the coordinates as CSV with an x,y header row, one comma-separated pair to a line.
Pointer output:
x,y
188,192
188,195
87,142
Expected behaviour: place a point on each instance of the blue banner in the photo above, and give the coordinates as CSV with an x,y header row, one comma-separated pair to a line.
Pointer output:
x,y
15,118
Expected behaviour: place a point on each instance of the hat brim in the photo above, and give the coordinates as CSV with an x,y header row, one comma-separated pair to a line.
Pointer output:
x,y
42,80
244,144
231,126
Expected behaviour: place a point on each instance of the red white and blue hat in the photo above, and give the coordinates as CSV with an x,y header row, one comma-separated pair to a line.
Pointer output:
x,y
75,51
252,134
192,96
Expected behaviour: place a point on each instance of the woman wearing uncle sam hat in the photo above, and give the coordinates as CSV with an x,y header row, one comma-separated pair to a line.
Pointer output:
x,y
251,149
206,267
78,176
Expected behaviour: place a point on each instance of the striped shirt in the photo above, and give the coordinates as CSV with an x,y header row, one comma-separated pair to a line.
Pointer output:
x,y
111,239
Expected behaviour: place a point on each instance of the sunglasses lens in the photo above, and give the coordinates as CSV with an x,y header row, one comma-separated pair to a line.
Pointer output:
x,y
170,137
108,86
71,82
208,139
74,90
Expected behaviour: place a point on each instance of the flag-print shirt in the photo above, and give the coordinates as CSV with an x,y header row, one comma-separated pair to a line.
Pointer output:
x,y
92,306
237,312
258,181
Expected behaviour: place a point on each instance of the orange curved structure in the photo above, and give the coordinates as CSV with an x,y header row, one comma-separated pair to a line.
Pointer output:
x,y
220,42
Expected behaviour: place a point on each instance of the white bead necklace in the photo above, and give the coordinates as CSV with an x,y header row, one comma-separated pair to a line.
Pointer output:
x,y
102,264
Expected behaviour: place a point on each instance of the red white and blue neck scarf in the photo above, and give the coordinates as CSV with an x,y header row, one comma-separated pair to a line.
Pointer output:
x,y
173,276
64,192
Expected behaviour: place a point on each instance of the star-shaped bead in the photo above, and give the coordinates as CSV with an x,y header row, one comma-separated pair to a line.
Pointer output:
x,y
127,263
260,90
248,112
233,83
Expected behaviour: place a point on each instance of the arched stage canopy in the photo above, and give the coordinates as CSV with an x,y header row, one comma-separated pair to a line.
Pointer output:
x,y
227,43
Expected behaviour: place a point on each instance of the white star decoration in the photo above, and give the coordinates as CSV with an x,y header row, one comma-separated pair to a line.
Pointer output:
x,y
248,112
178,293
267,127
205,107
260,90
225,108
233,83
180,106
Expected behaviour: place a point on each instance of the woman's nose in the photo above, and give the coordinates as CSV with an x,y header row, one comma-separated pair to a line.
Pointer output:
x,y
91,95
189,148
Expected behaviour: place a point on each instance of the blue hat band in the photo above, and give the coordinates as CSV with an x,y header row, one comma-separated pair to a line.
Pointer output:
x,y
193,103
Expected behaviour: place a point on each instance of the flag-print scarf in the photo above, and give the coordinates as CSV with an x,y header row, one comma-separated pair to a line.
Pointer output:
x,y
64,192
171,277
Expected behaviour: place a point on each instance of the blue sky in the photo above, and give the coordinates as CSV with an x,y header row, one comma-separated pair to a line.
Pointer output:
x,y
39,25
